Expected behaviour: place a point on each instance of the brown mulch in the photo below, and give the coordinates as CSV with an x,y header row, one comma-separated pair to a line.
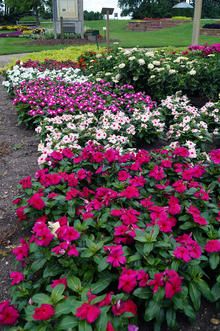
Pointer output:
x,y
18,158
73,42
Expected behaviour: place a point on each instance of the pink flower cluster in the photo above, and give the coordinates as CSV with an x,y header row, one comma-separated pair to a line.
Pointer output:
x,y
206,49
113,211
52,98
48,64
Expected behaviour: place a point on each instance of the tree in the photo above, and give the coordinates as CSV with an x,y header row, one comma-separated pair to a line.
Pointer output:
x,y
92,16
147,8
24,6
163,8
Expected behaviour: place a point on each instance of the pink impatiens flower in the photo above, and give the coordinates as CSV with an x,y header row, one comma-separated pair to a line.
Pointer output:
x,y
212,246
157,173
44,312
16,277
8,314
130,192
116,255
56,282
36,201
127,280
170,280
88,312
215,156
67,233
21,252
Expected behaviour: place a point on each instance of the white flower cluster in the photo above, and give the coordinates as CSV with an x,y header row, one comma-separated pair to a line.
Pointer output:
x,y
118,130
19,74
135,60
189,125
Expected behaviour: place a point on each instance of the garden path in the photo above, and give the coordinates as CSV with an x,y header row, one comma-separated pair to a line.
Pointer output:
x,y
18,158
5,59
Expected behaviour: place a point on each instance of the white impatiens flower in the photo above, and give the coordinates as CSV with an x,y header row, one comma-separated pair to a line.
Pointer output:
x,y
156,63
141,62
121,65
150,66
54,226
19,74
192,72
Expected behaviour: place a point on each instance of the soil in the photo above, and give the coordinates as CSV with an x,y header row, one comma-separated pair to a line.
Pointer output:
x,y
18,158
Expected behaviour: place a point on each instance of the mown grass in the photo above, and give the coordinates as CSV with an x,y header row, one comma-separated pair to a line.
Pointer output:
x,y
178,36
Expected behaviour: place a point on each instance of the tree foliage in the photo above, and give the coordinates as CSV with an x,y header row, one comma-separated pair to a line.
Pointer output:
x,y
92,16
25,6
163,8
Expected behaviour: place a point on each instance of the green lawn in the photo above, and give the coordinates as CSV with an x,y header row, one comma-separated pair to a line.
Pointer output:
x,y
179,36
22,45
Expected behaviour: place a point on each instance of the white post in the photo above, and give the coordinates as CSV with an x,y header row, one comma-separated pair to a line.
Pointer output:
x,y
196,22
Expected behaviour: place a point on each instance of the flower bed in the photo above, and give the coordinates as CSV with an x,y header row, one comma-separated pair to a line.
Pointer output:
x,y
109,115
33,70
67,54
19,30
118,236
158,73
107,242
57,97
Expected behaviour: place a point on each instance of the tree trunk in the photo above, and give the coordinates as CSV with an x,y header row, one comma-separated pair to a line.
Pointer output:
x,y
37,16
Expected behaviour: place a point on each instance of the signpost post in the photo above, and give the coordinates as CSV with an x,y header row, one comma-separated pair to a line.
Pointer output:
x,y
107,12
196,22
70,14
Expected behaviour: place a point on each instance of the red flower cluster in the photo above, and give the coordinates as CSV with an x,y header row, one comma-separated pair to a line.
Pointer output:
x,y
44,312
188,250
168,279
8,314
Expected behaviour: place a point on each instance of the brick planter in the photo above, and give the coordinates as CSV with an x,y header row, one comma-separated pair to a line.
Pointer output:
x,y
150,25
210,32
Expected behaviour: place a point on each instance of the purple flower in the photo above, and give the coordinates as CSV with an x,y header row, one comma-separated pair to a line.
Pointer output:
x,y
132,327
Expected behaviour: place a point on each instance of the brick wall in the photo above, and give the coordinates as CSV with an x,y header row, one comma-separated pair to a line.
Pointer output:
x,y
210,32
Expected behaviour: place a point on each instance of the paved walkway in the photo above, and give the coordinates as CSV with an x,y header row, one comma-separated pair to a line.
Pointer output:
x,y
5,59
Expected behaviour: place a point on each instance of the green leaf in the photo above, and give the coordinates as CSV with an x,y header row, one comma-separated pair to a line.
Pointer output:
x,y
148,247
100,286
188,310
57,293
205,290
69,305
103,265
74,283
143,293
195,295
216,291
214,260
38,264
171,318
102,322
140,236
152,311
67,322
187,226
84,326
51,271
41,298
